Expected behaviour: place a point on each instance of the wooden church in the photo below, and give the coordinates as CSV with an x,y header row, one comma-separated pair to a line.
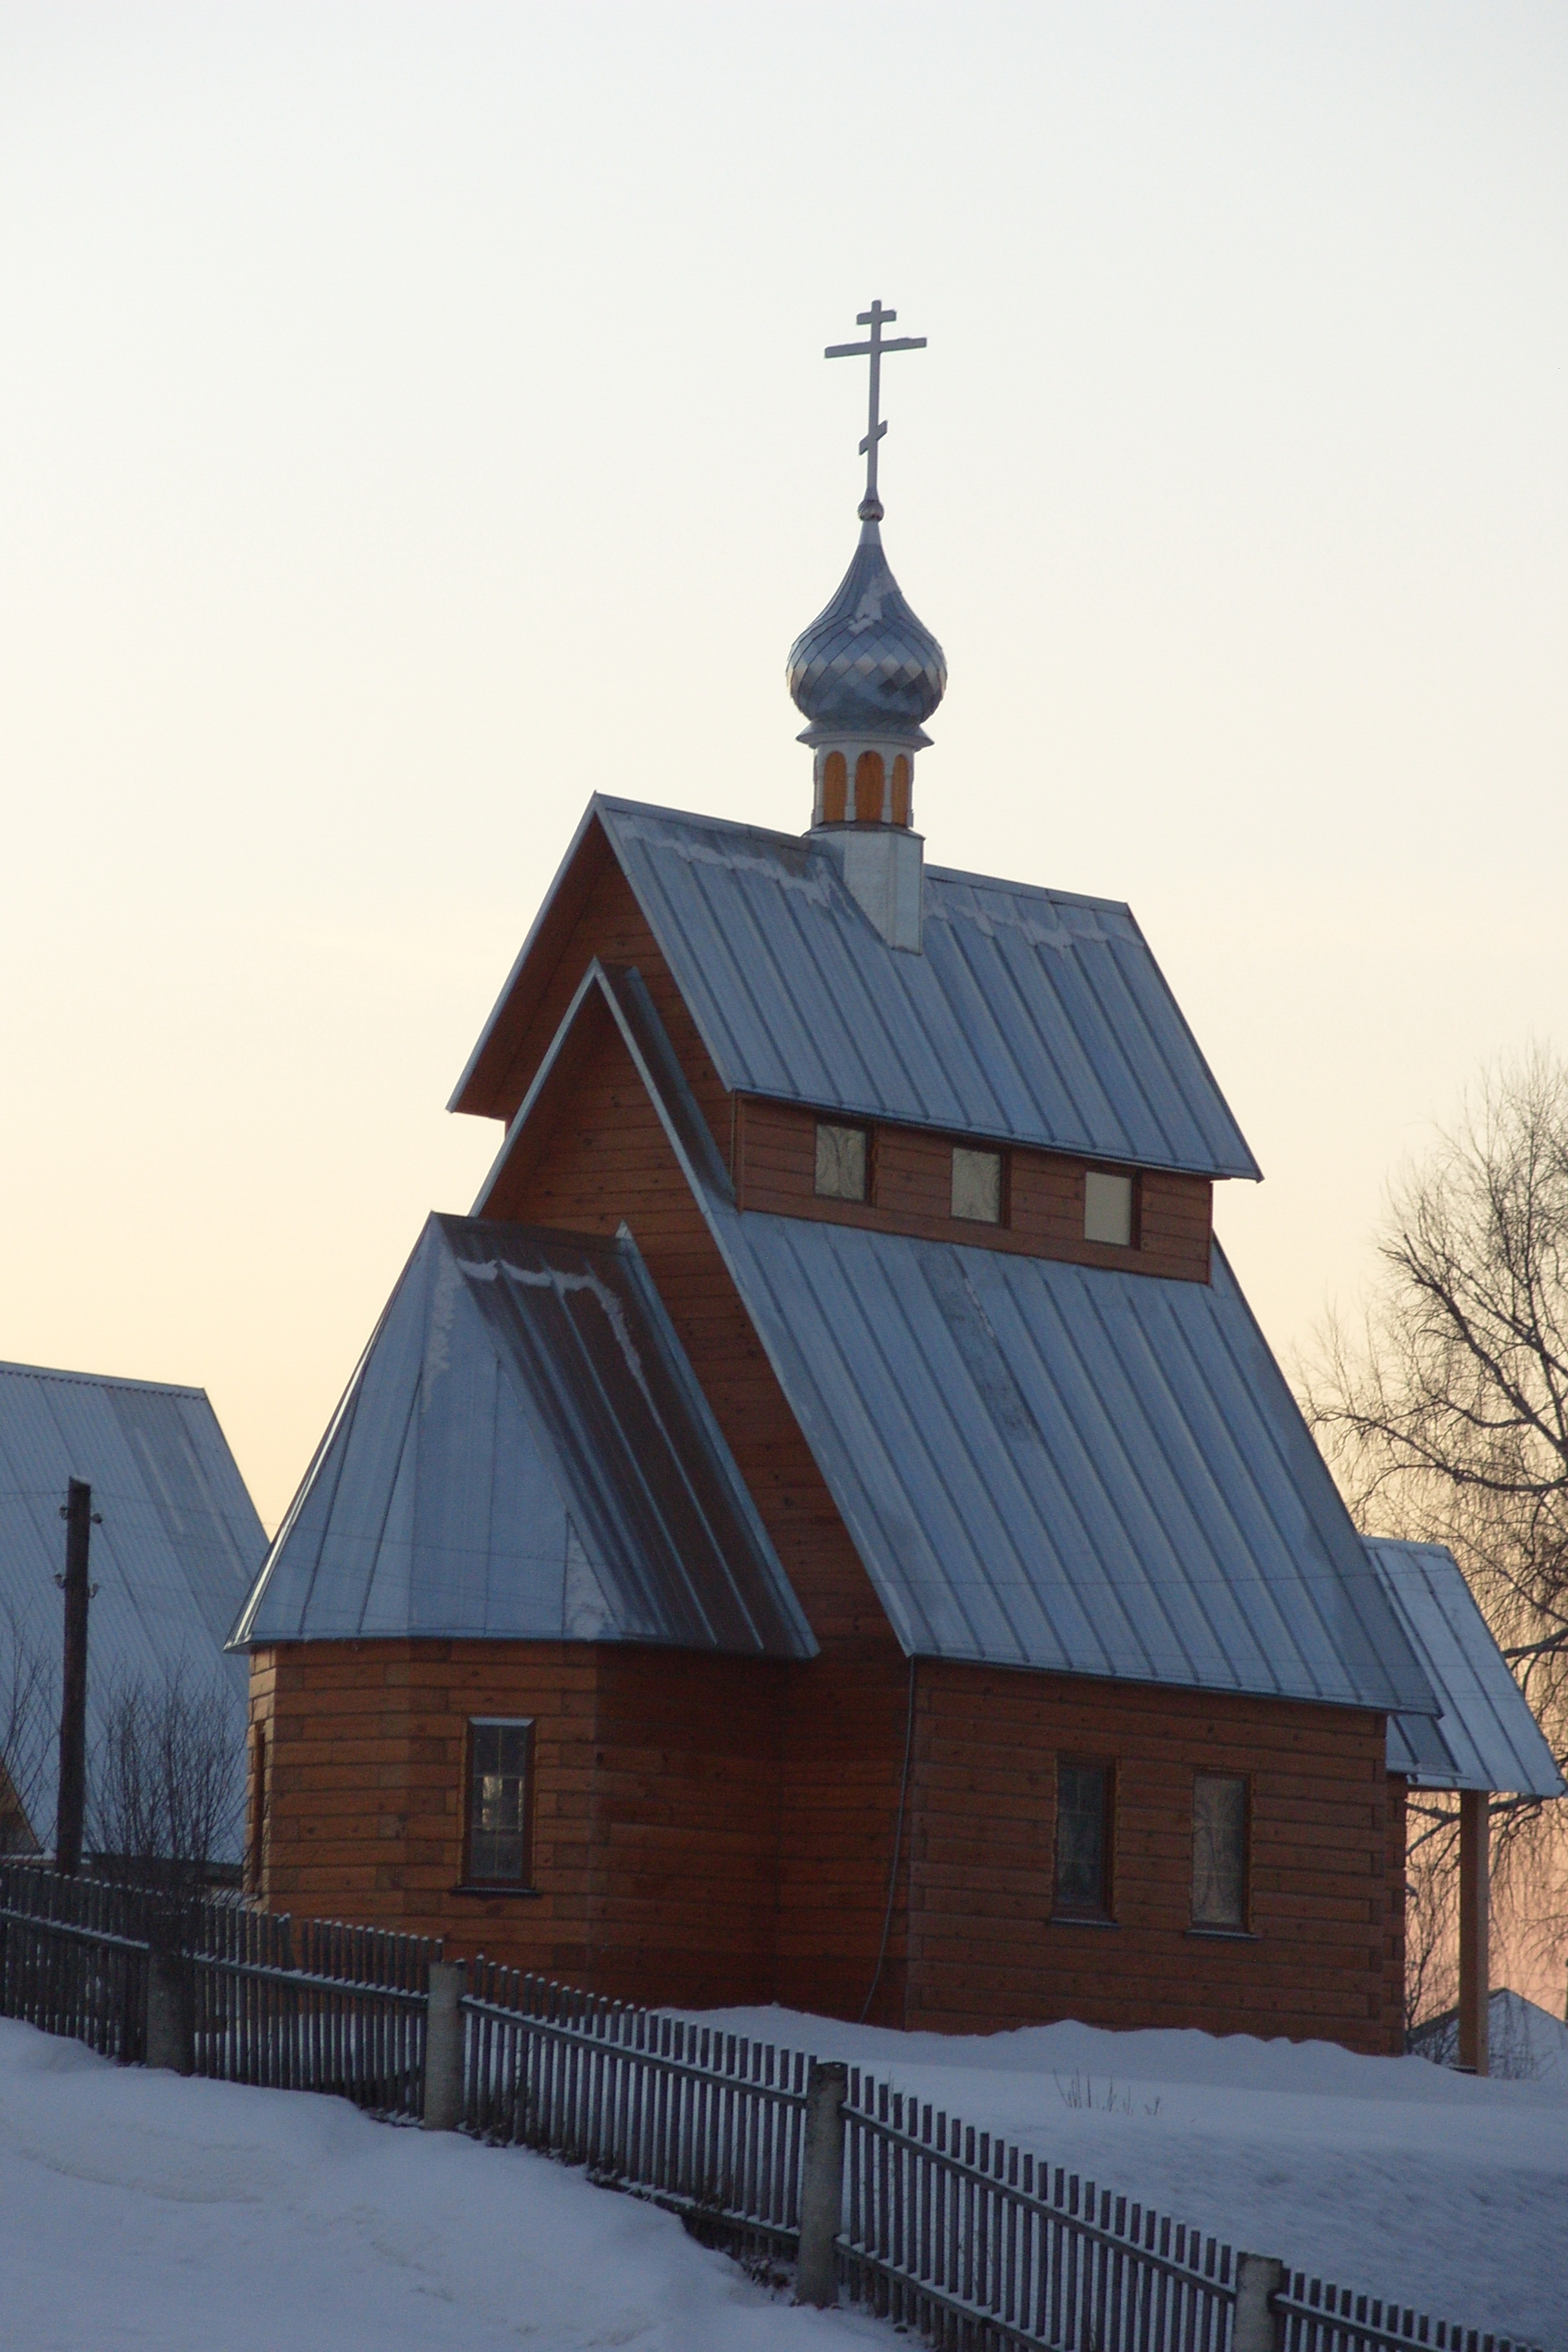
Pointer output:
x,y
826,1527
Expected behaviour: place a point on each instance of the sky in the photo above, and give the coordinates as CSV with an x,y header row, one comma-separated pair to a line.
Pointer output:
x,y
413,419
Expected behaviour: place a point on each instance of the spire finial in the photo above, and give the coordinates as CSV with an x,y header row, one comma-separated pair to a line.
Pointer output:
x,y
875,318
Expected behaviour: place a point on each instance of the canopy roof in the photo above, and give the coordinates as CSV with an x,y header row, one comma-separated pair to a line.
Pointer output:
x,y
1487,1736
524,1452
1029,1016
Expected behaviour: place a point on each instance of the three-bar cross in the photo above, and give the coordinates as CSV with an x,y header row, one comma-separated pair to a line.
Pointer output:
x,y
875,318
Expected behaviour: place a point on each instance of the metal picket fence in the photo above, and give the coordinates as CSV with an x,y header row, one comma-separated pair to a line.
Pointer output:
x,y
948,2231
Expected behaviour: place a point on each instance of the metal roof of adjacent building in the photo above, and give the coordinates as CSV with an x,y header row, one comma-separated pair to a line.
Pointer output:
x,y
524,1453
1029,1016
178,1546
1487,1736
1045,1464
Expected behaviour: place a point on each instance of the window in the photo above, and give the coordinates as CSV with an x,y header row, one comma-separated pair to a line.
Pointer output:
x,y
500,1754
1219,1850
1108,1208
841,1161
256,1826
977,1185
1083,1840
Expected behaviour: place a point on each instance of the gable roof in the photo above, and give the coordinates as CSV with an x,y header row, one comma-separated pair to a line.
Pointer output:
x,y
1043,1465
1487,1736
1030,1016
179,1543
524,1452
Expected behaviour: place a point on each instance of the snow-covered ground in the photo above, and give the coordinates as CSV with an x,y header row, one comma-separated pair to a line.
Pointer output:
x,y
1388,2174
137,2211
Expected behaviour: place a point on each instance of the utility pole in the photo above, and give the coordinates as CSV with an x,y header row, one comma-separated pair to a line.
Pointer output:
x,y
79,1516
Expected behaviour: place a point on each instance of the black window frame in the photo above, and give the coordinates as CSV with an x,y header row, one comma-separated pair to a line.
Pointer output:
x,y
1067,1906
868,1135
1132,1176
470,1881
1004,1159
1242,1924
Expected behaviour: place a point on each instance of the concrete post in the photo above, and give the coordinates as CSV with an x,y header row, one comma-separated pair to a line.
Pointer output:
x,y
1475,1923
167,2039
444,2046
822,2186
1259,2326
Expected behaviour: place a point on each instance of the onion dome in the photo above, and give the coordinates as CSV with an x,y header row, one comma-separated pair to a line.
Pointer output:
x,y
866,666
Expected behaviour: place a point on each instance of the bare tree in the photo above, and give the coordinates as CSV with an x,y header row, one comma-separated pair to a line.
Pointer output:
x,y
27,1729
166,1784
1446,1419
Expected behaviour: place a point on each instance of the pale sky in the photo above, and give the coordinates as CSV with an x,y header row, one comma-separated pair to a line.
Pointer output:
x,y
413,418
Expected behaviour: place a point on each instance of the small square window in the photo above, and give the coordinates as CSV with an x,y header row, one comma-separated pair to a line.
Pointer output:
x,y
1219,1850
840,1161
977,1185
1108,1208
1083,1840
499,1755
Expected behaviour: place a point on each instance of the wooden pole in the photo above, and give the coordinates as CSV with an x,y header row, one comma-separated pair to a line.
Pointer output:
x,y
71,1806
1475,1920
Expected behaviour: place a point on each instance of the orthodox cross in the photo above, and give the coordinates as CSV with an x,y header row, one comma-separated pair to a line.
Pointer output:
x,y
875,318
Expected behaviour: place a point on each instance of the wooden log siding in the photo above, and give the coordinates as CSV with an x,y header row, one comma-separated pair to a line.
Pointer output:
x,y
983,1950
911,1191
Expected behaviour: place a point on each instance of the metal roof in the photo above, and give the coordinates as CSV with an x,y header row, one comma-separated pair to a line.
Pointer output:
x,y
1029,1016
179,1543
524,1453
1045,1464
1487,1736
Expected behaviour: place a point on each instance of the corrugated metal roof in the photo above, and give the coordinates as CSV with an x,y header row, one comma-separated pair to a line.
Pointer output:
x,y
179,1543
524,1453
1487,1736
1031,1017
1051,1465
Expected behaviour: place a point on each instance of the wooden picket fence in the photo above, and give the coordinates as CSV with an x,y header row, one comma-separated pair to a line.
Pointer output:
x,y
951,2233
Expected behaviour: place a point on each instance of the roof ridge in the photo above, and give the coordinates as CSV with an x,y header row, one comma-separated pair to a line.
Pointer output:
x,y
103,1380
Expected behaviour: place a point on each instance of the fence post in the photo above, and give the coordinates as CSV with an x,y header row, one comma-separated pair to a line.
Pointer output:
x,y
167,2042
443,2045
1259,2326
821,2184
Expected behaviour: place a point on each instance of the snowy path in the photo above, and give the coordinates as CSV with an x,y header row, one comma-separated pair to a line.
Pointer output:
x,y
1388,2174
139,2213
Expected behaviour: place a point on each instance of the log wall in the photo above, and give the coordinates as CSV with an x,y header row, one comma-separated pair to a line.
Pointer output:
x,y
911,1191
985,1949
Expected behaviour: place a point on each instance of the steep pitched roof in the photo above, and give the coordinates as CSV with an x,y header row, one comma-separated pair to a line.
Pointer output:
x,y
1043,1465
524,1453
1031,1017
178,1546
1487,1736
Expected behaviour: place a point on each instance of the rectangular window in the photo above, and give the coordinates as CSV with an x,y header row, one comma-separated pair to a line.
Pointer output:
x,y
1219,1850
1108,1208
841,1161
499,1759
1083,1840
256,1826
977,1185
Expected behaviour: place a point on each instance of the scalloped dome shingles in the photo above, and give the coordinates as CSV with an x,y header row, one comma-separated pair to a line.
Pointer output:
x,y
867,662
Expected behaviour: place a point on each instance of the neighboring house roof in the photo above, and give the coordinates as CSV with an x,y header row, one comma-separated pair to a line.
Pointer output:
x,y
1045,1464
1487,1736
1030,1016
524,1453
179,1543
